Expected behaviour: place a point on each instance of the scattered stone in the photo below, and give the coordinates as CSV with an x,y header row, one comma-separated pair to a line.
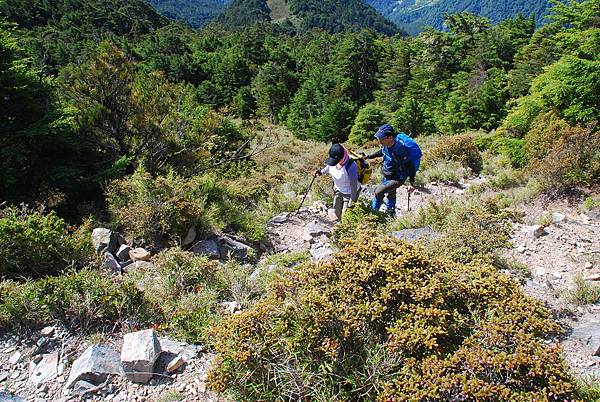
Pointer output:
x,y
46,370
315,229
82,386
558,218
47,331
536,231
207,247
111,263
104,239
138,355
593,277
234,248
589,335
139,254
321,252
123,253
3,376
521,249
189,237
588,265
278,219
36,359
331,214
231,307
176,363
94,365
15,358
6,397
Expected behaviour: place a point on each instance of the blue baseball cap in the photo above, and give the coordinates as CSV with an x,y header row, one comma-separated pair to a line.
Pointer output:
x,y
384,131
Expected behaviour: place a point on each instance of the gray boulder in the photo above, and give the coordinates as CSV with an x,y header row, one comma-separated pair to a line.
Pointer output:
x,y
46,370
234,248
138,355
94,365
209,248
111,264
104,239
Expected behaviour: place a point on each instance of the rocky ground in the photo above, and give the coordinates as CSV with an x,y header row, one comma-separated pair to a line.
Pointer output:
x,y
556,242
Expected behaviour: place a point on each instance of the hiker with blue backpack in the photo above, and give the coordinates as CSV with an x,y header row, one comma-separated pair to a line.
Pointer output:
x,y
401,159
344,172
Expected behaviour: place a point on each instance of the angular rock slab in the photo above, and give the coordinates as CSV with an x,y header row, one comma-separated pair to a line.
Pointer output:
x,y
234,248
94,365
46,370
138,355
104,239
207,247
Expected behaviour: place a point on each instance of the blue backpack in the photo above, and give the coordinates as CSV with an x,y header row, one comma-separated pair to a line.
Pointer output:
x,y
412,149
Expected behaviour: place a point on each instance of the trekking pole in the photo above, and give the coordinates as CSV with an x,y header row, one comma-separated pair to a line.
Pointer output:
x,y
408,202
305,194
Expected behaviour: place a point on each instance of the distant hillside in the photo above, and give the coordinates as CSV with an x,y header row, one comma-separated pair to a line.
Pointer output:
x,y
195,12
414,15
332,16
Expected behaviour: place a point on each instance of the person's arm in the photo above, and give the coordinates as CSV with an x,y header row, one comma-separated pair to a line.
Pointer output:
x,y
324,170
376,154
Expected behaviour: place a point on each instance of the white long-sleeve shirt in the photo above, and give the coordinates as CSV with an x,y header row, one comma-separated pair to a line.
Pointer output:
x,y
345,179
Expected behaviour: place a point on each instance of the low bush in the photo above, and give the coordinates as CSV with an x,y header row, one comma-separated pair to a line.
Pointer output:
x,y
582,292
81,300
562,156
381,321
475,231
153,210
33,244
355,219
460,148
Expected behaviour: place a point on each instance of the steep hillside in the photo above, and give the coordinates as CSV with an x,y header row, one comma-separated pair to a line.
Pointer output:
x,y
194,12
331,16
414,15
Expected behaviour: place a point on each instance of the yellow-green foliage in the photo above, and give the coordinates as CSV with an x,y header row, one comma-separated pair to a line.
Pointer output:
x,y
34,244
560,155
474,231
80,300
165,207
355,219
381,321
460,148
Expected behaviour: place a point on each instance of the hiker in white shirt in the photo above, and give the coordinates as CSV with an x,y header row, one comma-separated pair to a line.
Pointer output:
x,y
344,173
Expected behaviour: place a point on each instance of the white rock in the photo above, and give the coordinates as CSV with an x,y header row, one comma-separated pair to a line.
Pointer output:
x,y
588,265
46,370
47,331
138,355
176,363
139,254
521,249
15,358
189,237
558,218
104,239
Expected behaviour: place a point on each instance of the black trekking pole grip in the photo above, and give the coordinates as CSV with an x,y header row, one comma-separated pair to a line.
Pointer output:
x,y
306,193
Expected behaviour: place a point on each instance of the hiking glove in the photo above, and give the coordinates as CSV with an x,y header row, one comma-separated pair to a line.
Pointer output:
x,y
318,172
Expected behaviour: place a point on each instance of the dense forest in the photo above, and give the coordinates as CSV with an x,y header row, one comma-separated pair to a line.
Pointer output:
x,y
112,115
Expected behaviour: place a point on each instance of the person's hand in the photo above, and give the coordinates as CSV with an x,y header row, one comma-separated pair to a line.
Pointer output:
x,y
317,173
363,155
410,189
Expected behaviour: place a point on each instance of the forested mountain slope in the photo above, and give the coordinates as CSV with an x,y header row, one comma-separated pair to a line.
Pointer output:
x,y
195,12
331,16
414,15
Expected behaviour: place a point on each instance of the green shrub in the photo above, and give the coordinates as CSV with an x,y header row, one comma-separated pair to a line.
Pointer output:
x,y
80,300
381,321
475,231
513,148
34,244
460,148
591,202
368,119
562,156
164,208
355,219
582,292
